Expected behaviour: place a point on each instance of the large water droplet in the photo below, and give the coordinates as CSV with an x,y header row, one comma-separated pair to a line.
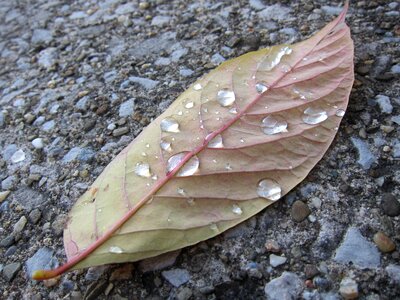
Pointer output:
x,y
261,87
269,189
197,87
115,249
142,169
189,105
169,125
216,142
236,210
189,168
340,113
273,125
274,61
314,116
18,156
225,97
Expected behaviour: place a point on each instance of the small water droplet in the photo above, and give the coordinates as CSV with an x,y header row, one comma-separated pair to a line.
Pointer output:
x,y
144,154
99,210
236,210
205,109
197,87
285,68
189,168
166,146
305,58
169,125
226,97
216,142
340,113
214,227
218,119
18,156
181,192
217,112
314,116
154,177
189,105
269,189
261,87
214,161
241,140
147,145
273,125
180,113
336,128
148,184
228,166
169,220
233,111
115,249
142,169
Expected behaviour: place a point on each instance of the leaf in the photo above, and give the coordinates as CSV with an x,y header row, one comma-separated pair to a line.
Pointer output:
x,y
236,141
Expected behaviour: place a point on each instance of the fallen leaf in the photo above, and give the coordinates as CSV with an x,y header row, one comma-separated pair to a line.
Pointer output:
x,y
233,143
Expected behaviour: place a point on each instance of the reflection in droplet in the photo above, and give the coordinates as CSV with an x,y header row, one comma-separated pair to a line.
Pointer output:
x,y
216,142
261,87
274,61
169,125
236,210
189,168
115,249
273,125
233,110
142,169
197,87
314,116
340,113
225,97
269,189
189,105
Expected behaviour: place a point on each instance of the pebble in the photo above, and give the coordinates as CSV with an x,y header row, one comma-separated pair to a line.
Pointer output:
x,y
394,273
256,4
47,58
185,72
390,205
28,198
217,59
20,225
384,104
158,262
331,10
126,108
348,289
83,103
48,126
120,131
34,216
310,271
18,156
42,259
2,119
58,224
395,69
160,21
272,246
275,260
357,250
4,195
38,143
379,67
9,182
148,84
122,273
176,277
299,211
79,154
39,121
275,12
11,270
287,286
8,151
184,294
94,273
384,243
41,36
7,241
78,15
125,8
396,150
365,156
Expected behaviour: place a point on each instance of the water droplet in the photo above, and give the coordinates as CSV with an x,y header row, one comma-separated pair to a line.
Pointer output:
x,y
225,97
181,192
144,154
216,142
169,125
285,68
180,113
214,161
274,61
99,210
241,140
18,156
142,169
228,167
340,113
154,177
273,125
233,111
314,116
190,201
189,168
261,87
169,220
214,227
147,145
197,87
205,109
236,210
189,105
115,249
305,58
269,189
